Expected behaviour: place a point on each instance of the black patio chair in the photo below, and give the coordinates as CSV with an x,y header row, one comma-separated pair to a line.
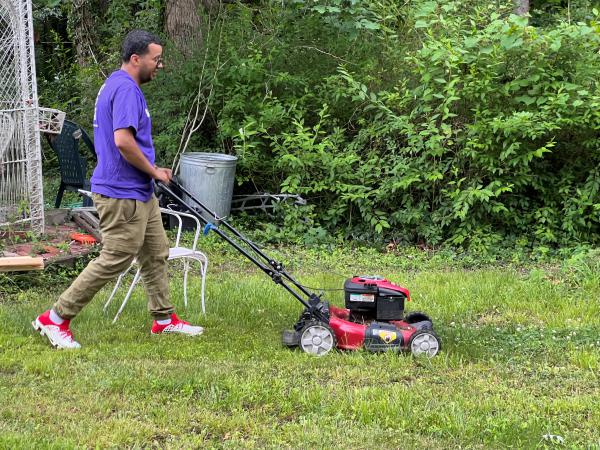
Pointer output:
x,y
72,164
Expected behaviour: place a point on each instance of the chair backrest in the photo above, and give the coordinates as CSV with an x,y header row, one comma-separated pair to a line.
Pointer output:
x,y
179,215
72,164
7,128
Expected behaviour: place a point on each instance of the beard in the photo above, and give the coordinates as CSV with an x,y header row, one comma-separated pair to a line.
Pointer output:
x,y
146,75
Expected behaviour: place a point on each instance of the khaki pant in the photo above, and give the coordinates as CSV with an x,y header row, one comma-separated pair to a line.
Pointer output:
x,y
130,229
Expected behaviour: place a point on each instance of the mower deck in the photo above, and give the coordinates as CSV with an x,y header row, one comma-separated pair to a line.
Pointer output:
x,y
412,334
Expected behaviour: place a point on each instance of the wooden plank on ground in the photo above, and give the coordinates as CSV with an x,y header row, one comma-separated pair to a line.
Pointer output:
x,y
83,221
21,263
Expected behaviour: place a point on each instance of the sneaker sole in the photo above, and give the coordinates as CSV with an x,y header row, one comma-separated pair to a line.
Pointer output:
x,y
40,328
174,332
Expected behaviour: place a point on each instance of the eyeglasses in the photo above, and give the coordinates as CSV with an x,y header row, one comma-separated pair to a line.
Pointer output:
x,y
159,61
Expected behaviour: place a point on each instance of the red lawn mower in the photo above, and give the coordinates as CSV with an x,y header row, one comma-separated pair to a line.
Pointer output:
x,y
373,317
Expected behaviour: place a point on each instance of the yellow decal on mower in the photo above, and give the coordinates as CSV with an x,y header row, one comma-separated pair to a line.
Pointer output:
x,y
387,336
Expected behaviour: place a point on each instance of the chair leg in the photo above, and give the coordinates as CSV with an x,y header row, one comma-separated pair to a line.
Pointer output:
x,y
87,201
203,268
114,291
136,278
59,195
186,268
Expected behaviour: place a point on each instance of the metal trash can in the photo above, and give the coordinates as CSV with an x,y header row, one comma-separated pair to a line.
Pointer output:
x,y
209,177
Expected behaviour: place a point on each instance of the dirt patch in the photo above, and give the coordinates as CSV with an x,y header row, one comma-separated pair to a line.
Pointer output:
x,y
56,245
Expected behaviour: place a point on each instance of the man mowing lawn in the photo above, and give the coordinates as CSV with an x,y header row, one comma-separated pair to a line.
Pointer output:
x,y
123,192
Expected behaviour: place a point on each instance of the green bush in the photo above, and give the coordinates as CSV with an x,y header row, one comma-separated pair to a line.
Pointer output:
x,y
430,122
465,126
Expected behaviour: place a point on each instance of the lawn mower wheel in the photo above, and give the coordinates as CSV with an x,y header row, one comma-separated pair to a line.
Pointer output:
x,y
317,338
424,343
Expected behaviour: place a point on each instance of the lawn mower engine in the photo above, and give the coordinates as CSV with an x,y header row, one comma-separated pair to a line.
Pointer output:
x,y
374,298
373,318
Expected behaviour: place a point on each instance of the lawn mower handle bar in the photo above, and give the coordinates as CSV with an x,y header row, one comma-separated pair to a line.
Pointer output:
x,y
277,273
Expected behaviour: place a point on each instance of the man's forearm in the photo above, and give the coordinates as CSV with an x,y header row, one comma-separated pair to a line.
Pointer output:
x,y
132,153
134,156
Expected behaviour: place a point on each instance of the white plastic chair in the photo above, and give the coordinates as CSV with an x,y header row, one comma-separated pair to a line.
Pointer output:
x,y
177,252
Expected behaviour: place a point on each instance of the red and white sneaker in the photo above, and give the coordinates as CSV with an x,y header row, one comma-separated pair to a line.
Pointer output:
x,y
177,326
59,335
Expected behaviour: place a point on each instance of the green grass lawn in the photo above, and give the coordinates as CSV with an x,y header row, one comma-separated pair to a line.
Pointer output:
x,y
520,360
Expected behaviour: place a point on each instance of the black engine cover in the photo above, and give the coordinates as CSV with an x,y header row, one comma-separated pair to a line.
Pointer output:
x,y
374,298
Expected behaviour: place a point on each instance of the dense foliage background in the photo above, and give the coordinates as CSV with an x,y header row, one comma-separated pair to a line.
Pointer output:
x,y
429,122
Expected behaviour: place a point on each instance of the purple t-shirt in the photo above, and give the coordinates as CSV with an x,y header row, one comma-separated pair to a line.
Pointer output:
x,y
120,104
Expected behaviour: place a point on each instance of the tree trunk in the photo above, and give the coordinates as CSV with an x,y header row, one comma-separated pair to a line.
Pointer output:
x,y
183,25
521,7
84,17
